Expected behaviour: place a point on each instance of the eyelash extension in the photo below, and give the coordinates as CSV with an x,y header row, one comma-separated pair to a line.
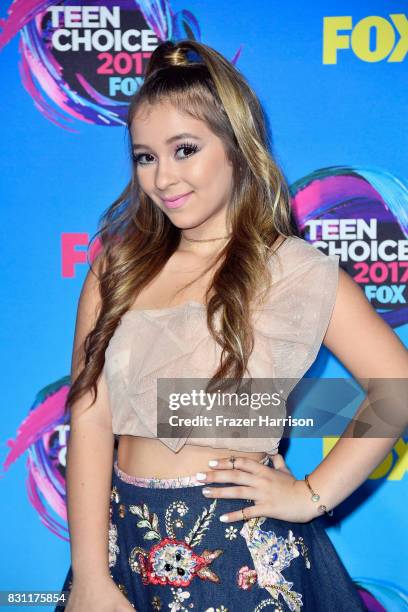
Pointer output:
x,y
184,145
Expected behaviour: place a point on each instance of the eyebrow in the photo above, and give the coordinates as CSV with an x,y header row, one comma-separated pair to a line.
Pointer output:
x,y
169,140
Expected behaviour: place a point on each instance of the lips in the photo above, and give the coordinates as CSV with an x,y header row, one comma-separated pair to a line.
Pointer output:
x,y
177,201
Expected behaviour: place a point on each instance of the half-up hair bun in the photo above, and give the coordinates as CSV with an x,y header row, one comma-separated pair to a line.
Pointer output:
x,y
169,54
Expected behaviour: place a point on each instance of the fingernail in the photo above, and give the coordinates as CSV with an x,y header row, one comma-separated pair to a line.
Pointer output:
x,y
206,491
213,463
201,476
224,518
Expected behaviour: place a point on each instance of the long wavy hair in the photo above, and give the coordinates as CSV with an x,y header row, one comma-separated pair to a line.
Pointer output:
x,y
137,238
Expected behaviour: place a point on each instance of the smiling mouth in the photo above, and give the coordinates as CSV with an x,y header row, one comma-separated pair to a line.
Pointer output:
x,y
177,202
176,197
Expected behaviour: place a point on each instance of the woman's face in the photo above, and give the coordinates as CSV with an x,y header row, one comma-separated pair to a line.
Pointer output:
x,y
171,164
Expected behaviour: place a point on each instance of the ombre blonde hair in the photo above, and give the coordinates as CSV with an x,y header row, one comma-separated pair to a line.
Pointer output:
x,y
138,238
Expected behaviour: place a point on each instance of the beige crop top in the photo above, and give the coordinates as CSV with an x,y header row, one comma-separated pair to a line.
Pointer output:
x,y
175,342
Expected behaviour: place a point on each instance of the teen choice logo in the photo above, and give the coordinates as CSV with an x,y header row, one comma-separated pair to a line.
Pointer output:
x,y
89,59
43,436
360,214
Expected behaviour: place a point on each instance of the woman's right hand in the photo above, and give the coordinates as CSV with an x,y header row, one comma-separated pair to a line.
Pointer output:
x,y
97,595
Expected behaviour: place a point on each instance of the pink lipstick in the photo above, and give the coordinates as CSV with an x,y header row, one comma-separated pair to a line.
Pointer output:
x,y
177,201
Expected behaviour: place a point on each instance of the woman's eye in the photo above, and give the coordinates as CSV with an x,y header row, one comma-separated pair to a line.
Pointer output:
x,y
190,148
137,158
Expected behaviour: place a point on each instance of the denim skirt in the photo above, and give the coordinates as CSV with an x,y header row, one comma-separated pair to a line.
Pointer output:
x,y
168,550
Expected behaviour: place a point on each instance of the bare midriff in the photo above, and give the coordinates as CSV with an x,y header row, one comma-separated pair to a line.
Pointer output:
x,y
146,458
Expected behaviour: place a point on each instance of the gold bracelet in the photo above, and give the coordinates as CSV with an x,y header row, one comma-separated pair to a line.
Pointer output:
x,y
316,497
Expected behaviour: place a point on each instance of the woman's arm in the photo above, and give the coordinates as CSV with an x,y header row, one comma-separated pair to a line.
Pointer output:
x,y
370,350
89,456
378,360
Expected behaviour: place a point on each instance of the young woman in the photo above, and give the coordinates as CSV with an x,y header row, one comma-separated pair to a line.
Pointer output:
x,y
201,276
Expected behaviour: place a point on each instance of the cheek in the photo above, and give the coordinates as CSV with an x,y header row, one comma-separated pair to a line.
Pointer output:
x,y
145,181
212,174
221,181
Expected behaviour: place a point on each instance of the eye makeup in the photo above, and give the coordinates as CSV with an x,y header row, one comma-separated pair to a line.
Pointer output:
x,y
185,145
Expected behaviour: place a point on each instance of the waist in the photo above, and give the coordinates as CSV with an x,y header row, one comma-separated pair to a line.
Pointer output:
x,y
150,458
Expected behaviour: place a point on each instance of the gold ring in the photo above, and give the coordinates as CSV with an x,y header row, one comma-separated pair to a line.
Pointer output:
x,y
243,514
232,459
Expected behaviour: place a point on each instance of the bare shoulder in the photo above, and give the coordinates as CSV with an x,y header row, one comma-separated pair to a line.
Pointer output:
x,y
359,337
99,413
87,311
90,288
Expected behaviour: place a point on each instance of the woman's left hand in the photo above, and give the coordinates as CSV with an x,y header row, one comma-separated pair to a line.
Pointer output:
x,y
276,493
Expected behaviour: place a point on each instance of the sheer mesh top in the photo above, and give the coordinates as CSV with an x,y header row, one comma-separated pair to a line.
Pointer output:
x,y
175,342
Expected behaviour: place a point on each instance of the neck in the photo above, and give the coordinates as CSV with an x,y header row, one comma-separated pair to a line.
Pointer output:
x,y
214,239
205,243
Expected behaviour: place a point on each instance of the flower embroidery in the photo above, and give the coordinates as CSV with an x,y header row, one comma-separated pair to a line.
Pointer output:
x,y
178,597
113,536
271,555
113,547
172,560
231,532
246,577
148,520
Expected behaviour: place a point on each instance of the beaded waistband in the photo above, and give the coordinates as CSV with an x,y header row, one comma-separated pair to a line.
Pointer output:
x,y
163,483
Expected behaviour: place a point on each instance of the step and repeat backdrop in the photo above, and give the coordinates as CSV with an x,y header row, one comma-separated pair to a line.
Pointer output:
x,y
332,77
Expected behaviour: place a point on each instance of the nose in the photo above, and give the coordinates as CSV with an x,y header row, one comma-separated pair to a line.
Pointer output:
x,y
165,175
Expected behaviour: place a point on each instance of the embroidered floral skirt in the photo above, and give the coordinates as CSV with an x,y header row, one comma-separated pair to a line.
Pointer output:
x,y
168,550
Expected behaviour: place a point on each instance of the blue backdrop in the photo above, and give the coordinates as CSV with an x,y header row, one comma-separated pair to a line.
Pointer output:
x,y
333,80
